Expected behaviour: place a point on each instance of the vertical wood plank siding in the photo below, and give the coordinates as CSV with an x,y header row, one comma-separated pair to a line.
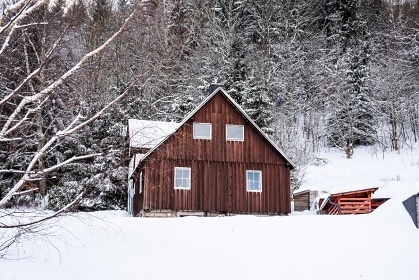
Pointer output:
x,y
218,168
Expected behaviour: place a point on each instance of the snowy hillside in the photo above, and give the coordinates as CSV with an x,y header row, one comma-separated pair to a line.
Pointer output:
x,y
109,245
368,168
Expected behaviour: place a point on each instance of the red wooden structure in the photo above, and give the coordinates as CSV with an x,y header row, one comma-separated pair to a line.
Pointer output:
x,y
216,161
350,202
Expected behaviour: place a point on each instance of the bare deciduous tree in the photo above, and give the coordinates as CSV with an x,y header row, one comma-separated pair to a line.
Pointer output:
x,y
21,102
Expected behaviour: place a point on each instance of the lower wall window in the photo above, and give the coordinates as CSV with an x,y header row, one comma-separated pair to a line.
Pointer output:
x,y
183,178
253,180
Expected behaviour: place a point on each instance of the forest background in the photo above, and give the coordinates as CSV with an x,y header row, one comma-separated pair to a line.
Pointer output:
x,y
312,74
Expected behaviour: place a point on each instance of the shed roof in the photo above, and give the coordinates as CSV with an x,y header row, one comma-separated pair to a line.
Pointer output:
x,y
352,189
240,110
303,191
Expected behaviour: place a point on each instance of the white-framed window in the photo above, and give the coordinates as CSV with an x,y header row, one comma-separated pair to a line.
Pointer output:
x,y
202,131
253,180
183,178
235,132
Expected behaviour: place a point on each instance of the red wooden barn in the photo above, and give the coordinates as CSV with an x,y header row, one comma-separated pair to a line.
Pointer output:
x,y
216,161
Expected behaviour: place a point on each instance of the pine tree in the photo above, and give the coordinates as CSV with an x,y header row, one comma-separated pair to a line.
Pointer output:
x,y
258,104
237,71
351,121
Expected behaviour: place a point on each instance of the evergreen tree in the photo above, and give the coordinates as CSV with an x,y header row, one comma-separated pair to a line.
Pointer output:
x,y
258,104
351,121
237,71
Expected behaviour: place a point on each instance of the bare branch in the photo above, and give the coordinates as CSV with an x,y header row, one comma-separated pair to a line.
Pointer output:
x,y
17,89
74,158
30,99
27,191
12,171
26,117
5,139
55,214
24,11
17,6
52,168
30,24
68,130
36,71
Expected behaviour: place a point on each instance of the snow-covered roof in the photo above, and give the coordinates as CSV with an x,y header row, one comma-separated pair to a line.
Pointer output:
x,y
148,134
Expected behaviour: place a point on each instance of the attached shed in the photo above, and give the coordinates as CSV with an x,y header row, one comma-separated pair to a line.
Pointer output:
x,y
304,200
348,202
216,161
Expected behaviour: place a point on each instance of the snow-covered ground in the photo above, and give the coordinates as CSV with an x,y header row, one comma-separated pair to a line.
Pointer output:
x,y
110,245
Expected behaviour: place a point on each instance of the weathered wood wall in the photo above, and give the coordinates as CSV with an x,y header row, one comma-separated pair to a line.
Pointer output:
x,y
304,200
218,166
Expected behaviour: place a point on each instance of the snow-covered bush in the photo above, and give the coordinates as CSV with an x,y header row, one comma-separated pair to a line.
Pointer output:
x,y
61,195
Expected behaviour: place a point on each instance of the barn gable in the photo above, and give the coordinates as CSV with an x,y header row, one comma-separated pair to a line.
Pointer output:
x,y
204,118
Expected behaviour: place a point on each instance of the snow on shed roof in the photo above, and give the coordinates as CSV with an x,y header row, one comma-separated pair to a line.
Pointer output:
x,y
148,134
304,190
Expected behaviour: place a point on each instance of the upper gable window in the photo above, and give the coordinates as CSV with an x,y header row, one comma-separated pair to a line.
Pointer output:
x,y
202,131
235,132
